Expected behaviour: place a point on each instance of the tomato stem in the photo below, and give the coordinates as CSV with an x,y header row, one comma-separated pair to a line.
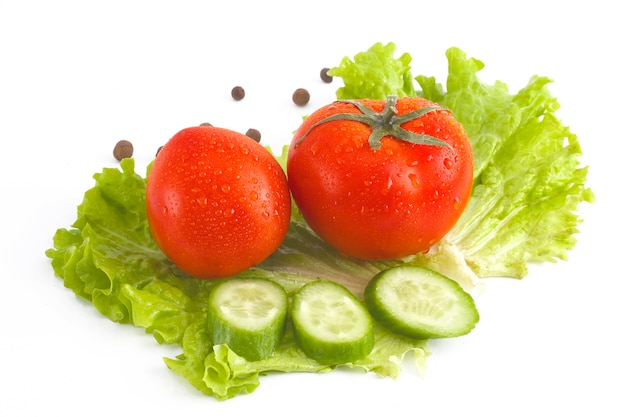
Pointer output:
x,y
385,123
389,111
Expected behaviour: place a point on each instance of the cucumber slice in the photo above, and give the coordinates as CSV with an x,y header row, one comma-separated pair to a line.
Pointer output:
x,y
248,315
330,324
420,303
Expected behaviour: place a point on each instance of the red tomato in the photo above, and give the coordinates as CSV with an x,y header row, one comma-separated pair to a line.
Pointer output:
x,y
366,189
217,202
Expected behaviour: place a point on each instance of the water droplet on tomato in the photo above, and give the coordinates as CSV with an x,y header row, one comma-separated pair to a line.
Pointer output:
x,y
412,163
457,203
254,196
225,188
388,186
447,163
415,182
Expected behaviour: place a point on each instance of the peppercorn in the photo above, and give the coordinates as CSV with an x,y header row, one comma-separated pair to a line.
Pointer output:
x,y
301,97
123,149
325,77
238,93
254,134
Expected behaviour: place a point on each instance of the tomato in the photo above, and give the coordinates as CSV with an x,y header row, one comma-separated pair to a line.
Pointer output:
x,y
217,202
380,179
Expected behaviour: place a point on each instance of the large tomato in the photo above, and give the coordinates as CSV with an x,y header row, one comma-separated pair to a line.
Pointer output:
x,y
381,179
217,202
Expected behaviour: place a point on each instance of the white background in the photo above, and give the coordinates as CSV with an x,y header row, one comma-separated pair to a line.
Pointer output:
x,y
76,77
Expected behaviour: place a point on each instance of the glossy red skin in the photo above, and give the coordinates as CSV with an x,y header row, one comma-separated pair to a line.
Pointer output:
x,y
217,202
380,204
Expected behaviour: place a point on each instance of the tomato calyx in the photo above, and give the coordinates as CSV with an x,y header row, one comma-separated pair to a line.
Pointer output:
x,y
385,123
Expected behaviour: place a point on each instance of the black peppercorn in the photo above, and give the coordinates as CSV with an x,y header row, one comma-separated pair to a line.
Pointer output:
x,y
324,75
238,93
301,97
123,149
254,134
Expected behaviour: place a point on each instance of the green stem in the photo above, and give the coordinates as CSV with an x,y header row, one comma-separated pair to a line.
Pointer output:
x,y
385,123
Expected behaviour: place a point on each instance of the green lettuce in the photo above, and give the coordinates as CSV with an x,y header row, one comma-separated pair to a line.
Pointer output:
x,y
375,73
109,258
528,181
527,186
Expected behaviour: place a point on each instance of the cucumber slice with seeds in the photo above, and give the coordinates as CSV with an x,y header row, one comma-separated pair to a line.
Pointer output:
x,y
248,315
330,324
420,303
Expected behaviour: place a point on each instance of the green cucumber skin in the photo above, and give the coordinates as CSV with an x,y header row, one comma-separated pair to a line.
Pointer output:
x,y
332,353
252,345
396,324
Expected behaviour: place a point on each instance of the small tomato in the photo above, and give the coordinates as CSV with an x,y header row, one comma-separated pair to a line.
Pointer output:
x,y
217,202
381,179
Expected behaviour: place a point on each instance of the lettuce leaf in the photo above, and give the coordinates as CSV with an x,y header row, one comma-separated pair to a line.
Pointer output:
x,y
375,73
109,258
528,181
